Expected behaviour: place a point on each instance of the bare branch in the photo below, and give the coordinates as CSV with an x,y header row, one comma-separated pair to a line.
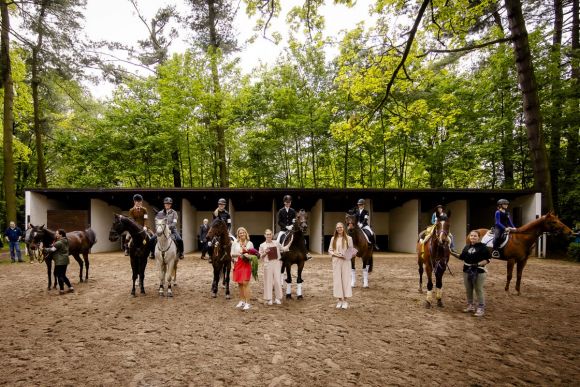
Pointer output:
x,y
469,47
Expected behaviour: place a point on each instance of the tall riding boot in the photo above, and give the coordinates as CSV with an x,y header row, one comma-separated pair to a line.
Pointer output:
x,y
179,244
152,244
373,242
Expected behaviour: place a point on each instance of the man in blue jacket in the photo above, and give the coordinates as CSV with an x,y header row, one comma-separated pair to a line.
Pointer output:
x,y
13,235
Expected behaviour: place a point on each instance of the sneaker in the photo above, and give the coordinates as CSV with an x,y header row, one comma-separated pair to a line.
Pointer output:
x,y
277,302
339,305
479,312
246,306
495,254
240,304
344,305
71,289
469,308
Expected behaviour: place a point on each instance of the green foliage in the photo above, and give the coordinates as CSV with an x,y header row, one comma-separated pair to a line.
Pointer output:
x,y
574,251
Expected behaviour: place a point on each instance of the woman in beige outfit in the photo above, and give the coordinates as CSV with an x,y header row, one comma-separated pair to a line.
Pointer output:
x,y
270,253
341,273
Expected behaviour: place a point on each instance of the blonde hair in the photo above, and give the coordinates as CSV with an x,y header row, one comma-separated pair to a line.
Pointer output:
x,y
242,229
268,231
335,236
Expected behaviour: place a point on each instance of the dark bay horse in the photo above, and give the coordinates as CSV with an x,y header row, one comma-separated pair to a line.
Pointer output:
x,y
139,247
296,254
433,253
79,243
364,247
221,258
520,243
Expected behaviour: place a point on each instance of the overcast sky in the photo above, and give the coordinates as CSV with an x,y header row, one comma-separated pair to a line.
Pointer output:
x,y
116,20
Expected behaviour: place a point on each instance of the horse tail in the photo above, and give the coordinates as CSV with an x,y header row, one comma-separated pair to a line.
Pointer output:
x,y
91,236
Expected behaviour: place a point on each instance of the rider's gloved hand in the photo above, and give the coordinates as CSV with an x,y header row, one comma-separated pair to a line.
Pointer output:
x,y
288,228
360,225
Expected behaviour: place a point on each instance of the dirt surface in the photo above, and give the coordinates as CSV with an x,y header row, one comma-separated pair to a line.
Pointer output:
x,y
100,335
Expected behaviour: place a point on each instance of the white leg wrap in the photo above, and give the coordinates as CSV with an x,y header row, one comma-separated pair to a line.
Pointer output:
x,y
439,293
288,288
429,296
299,289
366,277
353,279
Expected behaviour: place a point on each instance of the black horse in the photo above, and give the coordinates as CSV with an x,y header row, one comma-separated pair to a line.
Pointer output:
x,y
139,248
364,249
296,254
79,243
221,258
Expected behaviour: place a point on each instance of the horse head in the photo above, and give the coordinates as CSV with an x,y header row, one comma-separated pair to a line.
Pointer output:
x,y
116,228
37,236
161,227
301,222
442,230
350,220
553,225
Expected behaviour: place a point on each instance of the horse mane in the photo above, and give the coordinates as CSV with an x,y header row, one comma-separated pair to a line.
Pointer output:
x,y
533,224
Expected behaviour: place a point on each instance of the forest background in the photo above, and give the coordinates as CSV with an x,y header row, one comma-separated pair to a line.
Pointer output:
x,y
431,94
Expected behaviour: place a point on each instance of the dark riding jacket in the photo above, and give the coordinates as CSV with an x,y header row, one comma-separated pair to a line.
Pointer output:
x,y
225,216
362,216
503,220
203,229
286,217
60,252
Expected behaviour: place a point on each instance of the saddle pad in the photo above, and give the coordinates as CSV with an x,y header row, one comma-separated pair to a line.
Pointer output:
x,y
488,240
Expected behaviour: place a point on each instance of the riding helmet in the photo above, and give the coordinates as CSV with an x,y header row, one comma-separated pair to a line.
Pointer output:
x,y
439,206
222,201
287,199
167,200
502,201
361,201
137,198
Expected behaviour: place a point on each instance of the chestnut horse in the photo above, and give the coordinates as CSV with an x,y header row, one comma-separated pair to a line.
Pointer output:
x,y
139,248
433,253
79,242
221,258
296,253
520,243
364,247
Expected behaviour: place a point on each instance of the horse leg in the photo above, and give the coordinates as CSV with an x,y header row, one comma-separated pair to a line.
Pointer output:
x,y
299,281
439,284
366,270
420,263
169,274
353,270
86,259
80,262
288,283
510,270
429,298
520,270
162,271
214,283
227,269
135,275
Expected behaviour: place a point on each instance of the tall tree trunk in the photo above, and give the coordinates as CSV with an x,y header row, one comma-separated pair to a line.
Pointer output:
x,y
8,119
557,103
531,101
573,153
345,173
218,126
35,83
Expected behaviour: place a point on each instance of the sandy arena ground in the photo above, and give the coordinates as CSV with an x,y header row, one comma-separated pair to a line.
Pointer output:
x,y
102,336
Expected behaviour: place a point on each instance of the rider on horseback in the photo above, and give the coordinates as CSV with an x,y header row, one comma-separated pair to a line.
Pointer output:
x,y
362,218
286,220
139,214
503,224
223,214
171,216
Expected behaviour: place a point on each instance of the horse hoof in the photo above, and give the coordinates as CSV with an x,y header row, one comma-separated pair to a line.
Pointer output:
x,y
82,280
300,297
420,290
142,291
169,294
288,296
228,296
213,295
427,305
440,303
132,292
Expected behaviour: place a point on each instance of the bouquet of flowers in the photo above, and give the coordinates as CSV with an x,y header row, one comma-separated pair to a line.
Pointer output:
x,y
253,257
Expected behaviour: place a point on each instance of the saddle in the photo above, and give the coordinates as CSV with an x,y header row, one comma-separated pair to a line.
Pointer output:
x,y
487,239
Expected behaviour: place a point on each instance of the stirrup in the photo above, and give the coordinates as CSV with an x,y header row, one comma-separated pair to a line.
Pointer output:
x,y
495,254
